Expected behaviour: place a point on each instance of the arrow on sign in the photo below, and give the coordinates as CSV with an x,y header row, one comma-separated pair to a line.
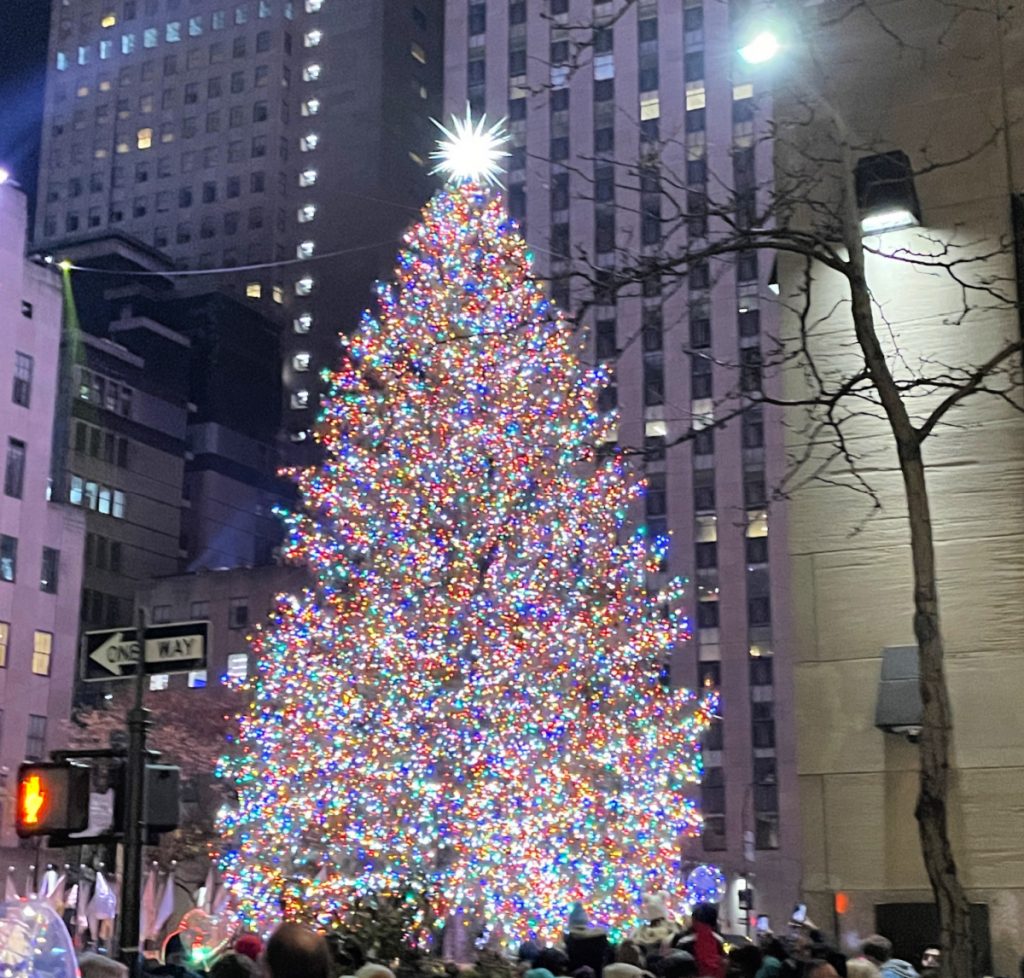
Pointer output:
x,y
116,652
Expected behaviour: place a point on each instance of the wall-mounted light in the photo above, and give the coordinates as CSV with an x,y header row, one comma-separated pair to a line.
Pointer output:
x,y
886,196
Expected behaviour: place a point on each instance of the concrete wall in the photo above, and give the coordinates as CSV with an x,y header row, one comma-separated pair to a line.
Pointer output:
x,y
912,76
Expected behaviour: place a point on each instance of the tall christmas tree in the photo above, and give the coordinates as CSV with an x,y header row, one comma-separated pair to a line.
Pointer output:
x,y
469,692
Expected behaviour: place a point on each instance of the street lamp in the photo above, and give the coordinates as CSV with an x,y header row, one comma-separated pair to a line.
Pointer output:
x,y
762,47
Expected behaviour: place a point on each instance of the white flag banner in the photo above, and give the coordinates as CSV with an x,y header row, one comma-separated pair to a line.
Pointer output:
x,y
204,898
147,909
166,905
10,889
49,884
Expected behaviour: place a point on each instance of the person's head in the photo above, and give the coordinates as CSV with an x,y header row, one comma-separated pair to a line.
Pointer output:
x,y
862,968
374,970
744,961
679,964
876,948
628,952
578,916
820,969
249,945
554,959
706,913
930,957
295,951
97,966
655,907
235,965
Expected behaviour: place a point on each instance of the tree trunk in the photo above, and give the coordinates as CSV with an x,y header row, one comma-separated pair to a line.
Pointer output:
x,y
955,937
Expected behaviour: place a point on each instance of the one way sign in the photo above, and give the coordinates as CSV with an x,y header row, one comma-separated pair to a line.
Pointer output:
x,y
113,654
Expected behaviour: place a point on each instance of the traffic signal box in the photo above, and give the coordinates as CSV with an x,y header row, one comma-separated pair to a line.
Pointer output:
x,y
52,798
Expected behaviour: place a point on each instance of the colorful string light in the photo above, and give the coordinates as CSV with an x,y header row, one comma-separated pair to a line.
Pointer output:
x,y
468,692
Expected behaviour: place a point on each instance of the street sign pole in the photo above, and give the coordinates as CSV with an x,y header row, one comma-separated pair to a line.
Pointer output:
x,y
134,833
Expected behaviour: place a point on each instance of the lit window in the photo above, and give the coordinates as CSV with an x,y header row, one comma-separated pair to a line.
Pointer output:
x,y
304,285
300,400
149,37
42,649
82,91
195,26
303,323
306,213
264,10
311,72
5,638
159,681
62,61
117,509
144,138
300,361
238,665
242,13
696,99
757,523
254,290
277,294
309,142
173,32
197,679
75,493
312,38
106,50
604,67
707,528
108,21
740,92
416,50
83,55
307,178
122,148
305,249
311,106
650,108
105,85
127,43
219,20
314,6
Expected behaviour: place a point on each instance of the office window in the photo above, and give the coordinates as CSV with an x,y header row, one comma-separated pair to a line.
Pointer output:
x,y
42,649
14,471
238,613
303,323
35,742
50,570
5,640
21,393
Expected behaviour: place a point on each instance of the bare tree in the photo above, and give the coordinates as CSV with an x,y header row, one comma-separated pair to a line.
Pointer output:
x,y
850,63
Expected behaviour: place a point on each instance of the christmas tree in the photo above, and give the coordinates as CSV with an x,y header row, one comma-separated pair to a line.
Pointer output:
x,y
469,693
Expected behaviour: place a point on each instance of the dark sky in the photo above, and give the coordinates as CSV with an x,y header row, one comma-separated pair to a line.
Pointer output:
x,y
24,25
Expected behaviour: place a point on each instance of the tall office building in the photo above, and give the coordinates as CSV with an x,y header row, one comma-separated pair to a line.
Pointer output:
x,y
263,135
41,541
626,117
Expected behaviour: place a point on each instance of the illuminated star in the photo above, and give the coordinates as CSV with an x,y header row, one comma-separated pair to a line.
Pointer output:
x,y
470,152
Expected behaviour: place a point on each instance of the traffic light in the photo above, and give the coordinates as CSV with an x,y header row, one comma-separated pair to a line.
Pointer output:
x,y
52,798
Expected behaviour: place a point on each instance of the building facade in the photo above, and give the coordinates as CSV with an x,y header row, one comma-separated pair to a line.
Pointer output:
x,y
41,541
233,601
286,138
913,80
627,121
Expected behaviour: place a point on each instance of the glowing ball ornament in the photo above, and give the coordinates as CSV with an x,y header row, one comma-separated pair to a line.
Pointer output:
x,y
705,884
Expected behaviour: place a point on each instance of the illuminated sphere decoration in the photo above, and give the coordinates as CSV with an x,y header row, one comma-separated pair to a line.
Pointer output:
x,y
705,884
469,692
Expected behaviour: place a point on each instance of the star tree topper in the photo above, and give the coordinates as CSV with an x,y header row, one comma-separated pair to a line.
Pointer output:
x,y
470,152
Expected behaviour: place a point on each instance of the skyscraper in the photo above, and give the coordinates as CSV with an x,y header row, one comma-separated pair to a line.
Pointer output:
x,y
626,118
259,135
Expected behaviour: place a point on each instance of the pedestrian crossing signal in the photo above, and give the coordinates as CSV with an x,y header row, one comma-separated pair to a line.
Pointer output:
x,y
52,798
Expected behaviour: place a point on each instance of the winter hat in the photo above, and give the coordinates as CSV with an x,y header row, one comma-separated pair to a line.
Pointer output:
x,y
538,973
654,906
895,968
578,916
250,945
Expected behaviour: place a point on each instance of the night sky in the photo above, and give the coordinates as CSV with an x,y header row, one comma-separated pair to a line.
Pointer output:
x,y
24,25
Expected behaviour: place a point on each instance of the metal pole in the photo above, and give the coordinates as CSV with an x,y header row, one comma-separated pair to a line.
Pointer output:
x,y
135,812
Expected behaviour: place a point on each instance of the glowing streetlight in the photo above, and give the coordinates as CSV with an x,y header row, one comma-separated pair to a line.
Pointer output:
x,y
761,48
5,175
